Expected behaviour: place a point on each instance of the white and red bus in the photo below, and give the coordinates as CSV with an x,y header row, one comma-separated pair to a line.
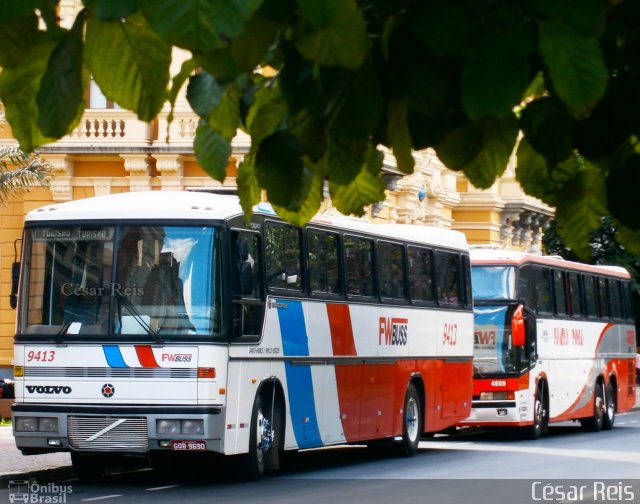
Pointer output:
x,y
554,341
158,323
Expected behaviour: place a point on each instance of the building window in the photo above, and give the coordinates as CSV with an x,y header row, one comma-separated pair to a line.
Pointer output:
x,y
97,99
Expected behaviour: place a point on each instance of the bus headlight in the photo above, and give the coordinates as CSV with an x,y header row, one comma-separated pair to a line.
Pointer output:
x,y
168,426
26,424
192,427
48,424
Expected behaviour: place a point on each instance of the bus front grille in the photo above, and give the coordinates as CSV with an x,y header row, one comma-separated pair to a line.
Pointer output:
x,y
89,433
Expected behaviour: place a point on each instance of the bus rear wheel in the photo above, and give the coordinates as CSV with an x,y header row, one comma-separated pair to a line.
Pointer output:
x,y
412,423
611,405
595,423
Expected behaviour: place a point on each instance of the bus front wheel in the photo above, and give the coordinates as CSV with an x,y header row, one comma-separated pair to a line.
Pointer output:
x,y
540,415
412,422
251,466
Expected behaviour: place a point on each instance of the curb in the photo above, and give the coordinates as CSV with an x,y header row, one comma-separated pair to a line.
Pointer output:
x,y
63,472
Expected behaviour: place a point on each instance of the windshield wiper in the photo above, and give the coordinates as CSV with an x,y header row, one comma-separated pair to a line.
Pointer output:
x,y
63,330
138,317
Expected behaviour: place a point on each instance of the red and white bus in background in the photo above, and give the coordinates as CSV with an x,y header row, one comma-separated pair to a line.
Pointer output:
x,y
554,340
158,323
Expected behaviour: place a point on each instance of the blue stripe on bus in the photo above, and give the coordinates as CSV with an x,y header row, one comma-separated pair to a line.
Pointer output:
x,y
114,356
299,381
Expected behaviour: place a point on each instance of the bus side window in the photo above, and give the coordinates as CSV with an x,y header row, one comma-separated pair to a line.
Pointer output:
x,y
615,299
575,298
559,285
322,262
542,284
447,278
420,274
604,298
358,264
590,296
248,301
527,293
282,252
391,270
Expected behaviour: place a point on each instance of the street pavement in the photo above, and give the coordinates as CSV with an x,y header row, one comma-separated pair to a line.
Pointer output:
x,y
15,466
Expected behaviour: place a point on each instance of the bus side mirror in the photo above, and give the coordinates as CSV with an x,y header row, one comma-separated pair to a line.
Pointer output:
x,y
15,276
517,327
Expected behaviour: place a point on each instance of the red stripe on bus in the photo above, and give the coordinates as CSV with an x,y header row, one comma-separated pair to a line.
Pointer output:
x,y
146,357
348,376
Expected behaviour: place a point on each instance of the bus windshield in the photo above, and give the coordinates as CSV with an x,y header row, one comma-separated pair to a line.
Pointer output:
x,y
128,280
493,283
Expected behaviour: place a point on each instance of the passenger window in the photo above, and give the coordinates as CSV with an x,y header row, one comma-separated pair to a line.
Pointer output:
x,y
615,299
447,278
590,296
391,270
542,285
358,262
324,274
560,292
420,274
282,252
575,299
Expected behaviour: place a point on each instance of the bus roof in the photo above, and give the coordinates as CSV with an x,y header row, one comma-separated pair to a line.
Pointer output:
x,y
187,205
490,256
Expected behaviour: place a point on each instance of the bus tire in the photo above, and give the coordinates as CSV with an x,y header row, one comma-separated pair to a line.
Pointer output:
x,y
540,415
251,466
611,406
594,423
87,468
411,423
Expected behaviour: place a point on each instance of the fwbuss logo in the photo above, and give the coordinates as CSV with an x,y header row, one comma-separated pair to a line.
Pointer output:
x,y
484,338
48,389
562,337
178,357
393,331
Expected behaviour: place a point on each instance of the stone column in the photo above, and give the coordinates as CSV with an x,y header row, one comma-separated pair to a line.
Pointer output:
x,y
171,169
137,166
62,176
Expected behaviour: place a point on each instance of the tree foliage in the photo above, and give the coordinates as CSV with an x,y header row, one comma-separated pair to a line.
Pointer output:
x,y
20,171
461,76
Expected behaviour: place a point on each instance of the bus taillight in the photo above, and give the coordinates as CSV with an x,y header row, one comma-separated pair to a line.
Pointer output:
x,y
517,326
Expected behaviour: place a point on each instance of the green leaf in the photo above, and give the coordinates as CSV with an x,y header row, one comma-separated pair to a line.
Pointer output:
x,y
532,173
204,93
494,79
187,68
18,89
581,204
576,66
111,10
343,165
309,205
13,50
499,142
248,50
267,113
199,25
130,64
248,188
212,151
446,28
61,96
549,129
321,14
461,146
622,192
354,103
14,10
312,137
399,137
363,190
219,63
280,171
585,17
225,118
341,43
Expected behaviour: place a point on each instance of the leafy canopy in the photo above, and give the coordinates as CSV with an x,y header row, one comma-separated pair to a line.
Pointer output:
x,y
464,77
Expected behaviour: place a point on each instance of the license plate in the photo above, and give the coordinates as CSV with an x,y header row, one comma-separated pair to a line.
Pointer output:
x,y
189,445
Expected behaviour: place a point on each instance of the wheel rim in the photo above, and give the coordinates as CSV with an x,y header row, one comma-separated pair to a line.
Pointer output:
x,y
611,406
600,406
411,419
260,436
